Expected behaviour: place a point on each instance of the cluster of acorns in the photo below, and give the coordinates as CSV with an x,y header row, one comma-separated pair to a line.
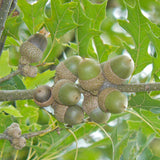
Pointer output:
x,y
76,76
98,105
13,132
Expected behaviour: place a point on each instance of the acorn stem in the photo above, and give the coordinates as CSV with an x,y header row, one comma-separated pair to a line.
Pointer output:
x,y
11,95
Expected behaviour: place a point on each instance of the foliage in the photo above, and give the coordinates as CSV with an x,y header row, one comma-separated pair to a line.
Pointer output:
x,y
90,30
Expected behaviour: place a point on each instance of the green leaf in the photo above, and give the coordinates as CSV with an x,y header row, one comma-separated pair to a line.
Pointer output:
x,y
84,31
33,14
143,100
136,26
40,79
153,33
96,12
4,64
12,26
61,20
11,111
103,50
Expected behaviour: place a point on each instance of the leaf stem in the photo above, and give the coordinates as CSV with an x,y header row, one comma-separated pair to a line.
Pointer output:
x,y
76,155
113,150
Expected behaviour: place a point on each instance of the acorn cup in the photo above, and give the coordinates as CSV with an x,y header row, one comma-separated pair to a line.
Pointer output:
x,y
90,75
70,115
91,107
67,69
66,92
32,50
43,96
112,100
118,69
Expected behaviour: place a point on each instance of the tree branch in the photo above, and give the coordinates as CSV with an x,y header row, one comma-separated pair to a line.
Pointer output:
x,y
4,10
10,75
12,95
138,87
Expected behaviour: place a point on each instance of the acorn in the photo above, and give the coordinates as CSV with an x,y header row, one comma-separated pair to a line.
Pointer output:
x,y
118,69
32,50
66,92
13,130
90,75
18,143
91,107
155,146
67,69
112,100
70,115
43,96
29,70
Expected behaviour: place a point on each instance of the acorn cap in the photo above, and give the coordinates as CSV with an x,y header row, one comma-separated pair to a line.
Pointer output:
x,y
90,103
39,40
66,92
59,111
110,75
30,53
102,97
118,69
62,72
43,96
94,84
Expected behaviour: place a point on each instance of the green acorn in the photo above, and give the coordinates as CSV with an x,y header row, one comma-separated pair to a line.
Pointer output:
x,y
67,69
32,50
90,75
66,92
91,107
112,100
118,69
155,146
68,114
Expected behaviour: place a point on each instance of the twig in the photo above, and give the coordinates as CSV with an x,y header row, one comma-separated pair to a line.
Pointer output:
x,y
10,75
33,134
4,136
4,10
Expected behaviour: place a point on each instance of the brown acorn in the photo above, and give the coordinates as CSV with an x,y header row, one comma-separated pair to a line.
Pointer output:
x,y
66,92
90,75
70,115
18,143
118,69
32,50
91,107
43,96
112,100
67,69
29,70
